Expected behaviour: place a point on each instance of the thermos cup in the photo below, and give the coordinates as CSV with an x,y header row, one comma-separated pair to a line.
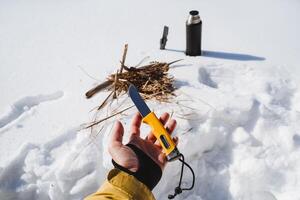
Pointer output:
x,y
193,34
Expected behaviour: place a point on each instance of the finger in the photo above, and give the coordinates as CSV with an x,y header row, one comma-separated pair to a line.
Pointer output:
x,y
170,127
176,140
117,135
163,119
136,124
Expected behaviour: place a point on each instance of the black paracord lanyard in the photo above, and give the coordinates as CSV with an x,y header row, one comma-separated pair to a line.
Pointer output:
x,y
178,189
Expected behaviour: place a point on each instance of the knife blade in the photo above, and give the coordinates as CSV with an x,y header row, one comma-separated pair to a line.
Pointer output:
x,y
138,101
157,127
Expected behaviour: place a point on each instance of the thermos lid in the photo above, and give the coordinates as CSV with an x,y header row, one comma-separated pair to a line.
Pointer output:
x,y
193,17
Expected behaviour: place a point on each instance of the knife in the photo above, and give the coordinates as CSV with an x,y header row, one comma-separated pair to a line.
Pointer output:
x,y
157,127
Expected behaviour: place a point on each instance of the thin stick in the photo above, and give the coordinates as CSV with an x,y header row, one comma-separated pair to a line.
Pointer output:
x,y
187,131
119,105
105,101
98,122
124,57
146,83
115,85
174,61
147,57
87,74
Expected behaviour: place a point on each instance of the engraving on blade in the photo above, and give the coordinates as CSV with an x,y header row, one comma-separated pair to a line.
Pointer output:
x,y
138,101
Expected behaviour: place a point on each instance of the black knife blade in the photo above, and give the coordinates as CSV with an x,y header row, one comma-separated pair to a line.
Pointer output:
x,y
138,101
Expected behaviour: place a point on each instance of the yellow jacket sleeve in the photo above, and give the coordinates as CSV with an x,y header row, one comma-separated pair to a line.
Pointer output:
x,y
121,186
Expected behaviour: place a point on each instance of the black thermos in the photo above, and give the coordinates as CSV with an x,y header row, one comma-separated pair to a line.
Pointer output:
x,y
193,34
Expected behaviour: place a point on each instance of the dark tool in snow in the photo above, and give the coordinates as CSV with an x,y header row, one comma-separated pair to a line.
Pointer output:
x,y
164,39
193,34
161,135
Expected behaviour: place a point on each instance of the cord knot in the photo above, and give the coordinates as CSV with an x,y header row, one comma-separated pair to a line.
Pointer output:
x,y
178,190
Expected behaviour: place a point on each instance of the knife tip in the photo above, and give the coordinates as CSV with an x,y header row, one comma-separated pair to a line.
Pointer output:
x,y
131,88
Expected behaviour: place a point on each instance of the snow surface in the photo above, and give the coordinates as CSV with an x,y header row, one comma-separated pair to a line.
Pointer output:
x,y
237,106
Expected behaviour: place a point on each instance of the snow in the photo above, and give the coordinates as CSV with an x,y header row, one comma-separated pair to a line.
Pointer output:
x,y
237,106
22,106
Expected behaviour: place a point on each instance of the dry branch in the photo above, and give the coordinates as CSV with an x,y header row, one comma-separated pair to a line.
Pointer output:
x,y
124,57
98,88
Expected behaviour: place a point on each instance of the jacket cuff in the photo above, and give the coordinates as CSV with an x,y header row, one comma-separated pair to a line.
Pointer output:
x,y
129,184
149,172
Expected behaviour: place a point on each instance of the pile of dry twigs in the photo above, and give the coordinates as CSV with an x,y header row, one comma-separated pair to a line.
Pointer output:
x,y
152,81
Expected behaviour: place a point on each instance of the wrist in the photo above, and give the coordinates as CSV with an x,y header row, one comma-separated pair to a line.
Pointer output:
x,y
148,171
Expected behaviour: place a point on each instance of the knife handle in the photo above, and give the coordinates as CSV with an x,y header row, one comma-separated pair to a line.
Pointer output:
x,y
162,136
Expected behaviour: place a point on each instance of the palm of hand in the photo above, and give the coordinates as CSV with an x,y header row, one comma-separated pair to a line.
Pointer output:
x,y
125,157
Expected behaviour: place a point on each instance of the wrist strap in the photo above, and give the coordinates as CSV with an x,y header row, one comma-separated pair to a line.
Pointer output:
x,y
148,172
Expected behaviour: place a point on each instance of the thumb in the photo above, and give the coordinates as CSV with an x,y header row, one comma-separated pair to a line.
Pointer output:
x,y
117,135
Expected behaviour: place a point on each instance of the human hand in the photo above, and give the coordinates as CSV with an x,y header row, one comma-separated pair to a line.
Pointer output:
x,y
125,156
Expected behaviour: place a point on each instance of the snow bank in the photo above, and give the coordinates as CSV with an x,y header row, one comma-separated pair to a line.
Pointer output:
x,y
237,126
24,105
66,167
247,145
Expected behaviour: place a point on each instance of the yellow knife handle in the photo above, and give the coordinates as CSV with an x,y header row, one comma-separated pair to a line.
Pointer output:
x,y
161,134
